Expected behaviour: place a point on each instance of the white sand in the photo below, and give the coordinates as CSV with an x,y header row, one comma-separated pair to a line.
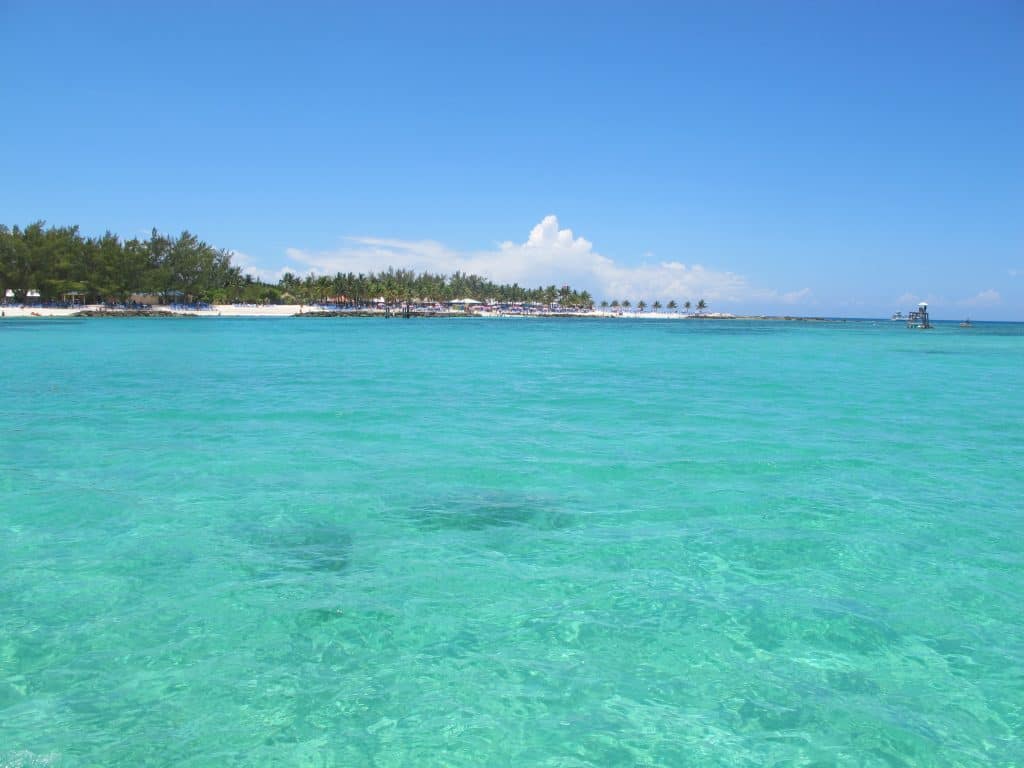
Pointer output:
x,y
225,310
17,311
287,310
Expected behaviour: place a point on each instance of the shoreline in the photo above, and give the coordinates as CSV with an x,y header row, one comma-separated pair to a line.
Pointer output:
x,y
297,310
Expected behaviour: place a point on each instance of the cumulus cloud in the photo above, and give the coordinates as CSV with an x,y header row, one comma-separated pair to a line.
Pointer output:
x,y
550,255
249,267
987,298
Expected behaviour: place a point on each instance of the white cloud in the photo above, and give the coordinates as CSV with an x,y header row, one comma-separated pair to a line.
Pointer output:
x,y
248,267
550,255
987,298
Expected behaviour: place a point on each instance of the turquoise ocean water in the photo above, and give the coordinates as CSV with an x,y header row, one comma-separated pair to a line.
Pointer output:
x,y
524,542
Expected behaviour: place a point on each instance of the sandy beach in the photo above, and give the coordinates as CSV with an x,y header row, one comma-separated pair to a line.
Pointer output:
x,y
291,310
226,310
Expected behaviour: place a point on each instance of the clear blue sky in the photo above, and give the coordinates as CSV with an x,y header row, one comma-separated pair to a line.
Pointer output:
x,y
836,158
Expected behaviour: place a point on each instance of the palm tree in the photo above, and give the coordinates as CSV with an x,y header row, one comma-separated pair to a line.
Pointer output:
x,y
390,294
686,306
604,304
641,305
701,306
672,305
656,305
626,304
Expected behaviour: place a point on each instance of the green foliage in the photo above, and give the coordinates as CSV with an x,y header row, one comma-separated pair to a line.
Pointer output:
x,y
398,286
59,261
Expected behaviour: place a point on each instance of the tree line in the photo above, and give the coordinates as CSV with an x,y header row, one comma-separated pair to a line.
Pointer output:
x,y
397,286
62,264
642,305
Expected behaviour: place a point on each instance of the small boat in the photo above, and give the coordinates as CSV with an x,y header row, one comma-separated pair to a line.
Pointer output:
x,y
898,316
966,323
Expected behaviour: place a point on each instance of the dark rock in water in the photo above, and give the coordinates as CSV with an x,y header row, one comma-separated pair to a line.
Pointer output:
x,y
490,511
319,547
397,313
338,313
316,617
306,545
130,313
